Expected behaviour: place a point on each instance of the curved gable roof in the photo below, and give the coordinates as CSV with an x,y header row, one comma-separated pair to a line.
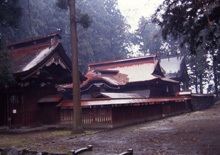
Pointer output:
x,y
140,69
24,59
31,55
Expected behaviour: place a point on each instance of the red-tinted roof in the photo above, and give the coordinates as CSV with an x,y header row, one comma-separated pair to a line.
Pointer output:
x,y
102,102
121,60
30,53
51,99
35,38
131,70
31,56
112,79
25,58
182,93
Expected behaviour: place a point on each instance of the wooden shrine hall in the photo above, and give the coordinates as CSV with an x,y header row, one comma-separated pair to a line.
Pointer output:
x,y
129,91
38,64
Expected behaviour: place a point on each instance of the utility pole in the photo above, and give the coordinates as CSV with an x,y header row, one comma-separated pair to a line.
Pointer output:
x,y
77,111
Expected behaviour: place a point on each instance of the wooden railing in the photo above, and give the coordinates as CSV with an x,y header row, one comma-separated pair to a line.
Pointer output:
x,y
97,115
89,116
112,116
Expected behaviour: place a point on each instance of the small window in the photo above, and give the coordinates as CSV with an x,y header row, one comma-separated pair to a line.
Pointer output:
x,y
15,98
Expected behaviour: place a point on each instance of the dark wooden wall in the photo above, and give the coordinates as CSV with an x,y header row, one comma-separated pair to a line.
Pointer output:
x,y
3,109
33,110
27,112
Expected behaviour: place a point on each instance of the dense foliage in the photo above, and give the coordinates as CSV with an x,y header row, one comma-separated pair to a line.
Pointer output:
x,y
195,24
10,15
150,40
108,36
199,71
6,72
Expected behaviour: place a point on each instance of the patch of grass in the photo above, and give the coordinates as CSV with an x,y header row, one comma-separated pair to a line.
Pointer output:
x,y
7,140
89,131
38,140
66,133
2,136
60,133
52,150
16,143
132,127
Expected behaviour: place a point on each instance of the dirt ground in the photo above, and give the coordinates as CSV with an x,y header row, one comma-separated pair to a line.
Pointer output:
x,y
191,133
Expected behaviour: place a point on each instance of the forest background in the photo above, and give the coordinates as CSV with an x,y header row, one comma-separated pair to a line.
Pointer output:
x,y
109,36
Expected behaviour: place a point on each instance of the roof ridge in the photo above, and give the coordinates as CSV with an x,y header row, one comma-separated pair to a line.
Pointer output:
x,y
122,60
36,46
35,38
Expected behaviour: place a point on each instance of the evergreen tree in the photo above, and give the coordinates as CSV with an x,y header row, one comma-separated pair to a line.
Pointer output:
x,y
195,24
147,37
199,71
150,41
108,37
6,72
77,112
10,15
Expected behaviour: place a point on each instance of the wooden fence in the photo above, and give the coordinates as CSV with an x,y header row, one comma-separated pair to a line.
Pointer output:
x,y
121,115
90,116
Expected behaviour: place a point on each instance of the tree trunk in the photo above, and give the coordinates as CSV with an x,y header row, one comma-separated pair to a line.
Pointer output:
x,y
196,82
215,77
77,111
200,83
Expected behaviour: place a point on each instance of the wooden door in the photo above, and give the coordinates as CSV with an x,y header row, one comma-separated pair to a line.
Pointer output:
x,y
16,111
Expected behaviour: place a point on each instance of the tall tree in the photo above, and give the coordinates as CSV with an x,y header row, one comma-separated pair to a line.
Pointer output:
x,y
10,15
84,21
147,37
194,23
77,112
150,41
199,73
108,37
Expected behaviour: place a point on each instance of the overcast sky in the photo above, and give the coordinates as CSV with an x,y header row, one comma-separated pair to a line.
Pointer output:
x,y
134,9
